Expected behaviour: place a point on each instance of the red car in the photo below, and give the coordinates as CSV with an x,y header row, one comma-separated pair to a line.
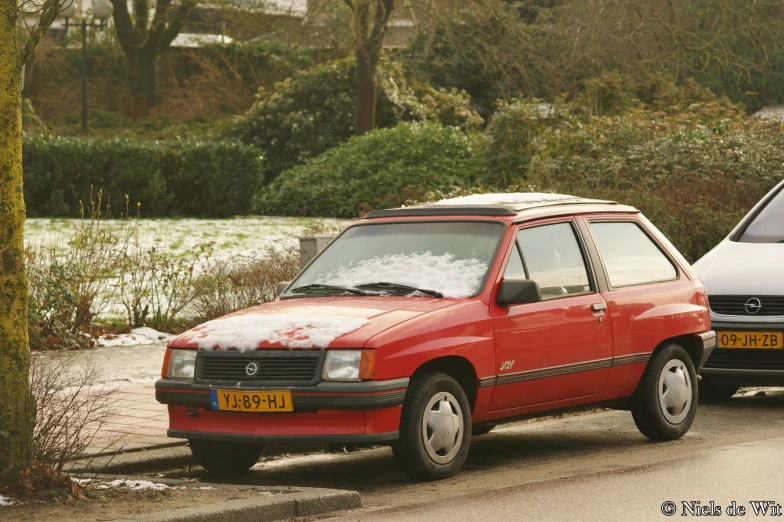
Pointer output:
x,y
420,327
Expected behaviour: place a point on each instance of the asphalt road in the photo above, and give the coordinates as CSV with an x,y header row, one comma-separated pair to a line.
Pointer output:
x,y
593,466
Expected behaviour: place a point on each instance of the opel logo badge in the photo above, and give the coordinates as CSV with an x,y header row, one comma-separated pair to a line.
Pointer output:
x,y
753,305
252,369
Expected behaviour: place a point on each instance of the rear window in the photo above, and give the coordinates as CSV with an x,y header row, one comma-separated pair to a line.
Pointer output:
x,y
630,256
768,225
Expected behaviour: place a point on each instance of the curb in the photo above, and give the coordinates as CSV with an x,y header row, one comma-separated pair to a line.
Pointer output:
x,y
276,504
142,461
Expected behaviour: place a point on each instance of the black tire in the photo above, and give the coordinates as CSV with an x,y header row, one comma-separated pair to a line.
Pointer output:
x,y
716,392
653,417
482,429
412,451
225,459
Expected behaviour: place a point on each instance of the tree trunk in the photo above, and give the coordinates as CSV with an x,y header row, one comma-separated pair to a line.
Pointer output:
x,y
367,62
16,417
144,82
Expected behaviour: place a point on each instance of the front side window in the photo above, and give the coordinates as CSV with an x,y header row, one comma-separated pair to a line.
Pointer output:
x,y
449,259
553,258
630,256
768,225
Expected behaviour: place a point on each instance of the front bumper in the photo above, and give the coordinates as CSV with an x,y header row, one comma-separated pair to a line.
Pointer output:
x,y
745,367
356,412
307,399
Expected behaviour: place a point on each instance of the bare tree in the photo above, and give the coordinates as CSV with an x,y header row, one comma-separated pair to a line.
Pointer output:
x,y
370,21
16,415
143,40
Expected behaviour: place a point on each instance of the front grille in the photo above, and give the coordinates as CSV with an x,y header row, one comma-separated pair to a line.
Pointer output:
x,y
746,359
273,367
736,305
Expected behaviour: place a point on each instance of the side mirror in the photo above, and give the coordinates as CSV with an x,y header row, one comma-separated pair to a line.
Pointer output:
x,y
518,291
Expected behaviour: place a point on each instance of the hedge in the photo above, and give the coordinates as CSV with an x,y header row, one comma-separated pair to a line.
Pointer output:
x,y
313,111
172,178
384,168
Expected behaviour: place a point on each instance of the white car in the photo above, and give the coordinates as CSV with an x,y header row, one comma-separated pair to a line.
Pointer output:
x,y
744,276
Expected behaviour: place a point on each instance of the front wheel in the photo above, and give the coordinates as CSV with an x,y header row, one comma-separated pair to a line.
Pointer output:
x,y
665,402
225,459
435,428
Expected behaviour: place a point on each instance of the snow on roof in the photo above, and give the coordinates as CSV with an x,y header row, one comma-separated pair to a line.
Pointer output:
x,y
513,198
246,332
443,273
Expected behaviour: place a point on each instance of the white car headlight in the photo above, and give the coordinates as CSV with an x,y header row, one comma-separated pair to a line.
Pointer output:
x,y
182,364
342,365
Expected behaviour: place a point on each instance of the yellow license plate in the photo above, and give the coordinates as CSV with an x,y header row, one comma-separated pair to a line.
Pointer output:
x,y
252,401
752,340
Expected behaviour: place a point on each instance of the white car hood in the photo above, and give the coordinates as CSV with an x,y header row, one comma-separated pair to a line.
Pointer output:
x,y
743,269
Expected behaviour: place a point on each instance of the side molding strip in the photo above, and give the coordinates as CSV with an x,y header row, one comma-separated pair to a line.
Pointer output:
x,y
554,371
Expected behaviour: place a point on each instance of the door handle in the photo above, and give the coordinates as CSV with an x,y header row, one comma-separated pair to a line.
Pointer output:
x,y
598,306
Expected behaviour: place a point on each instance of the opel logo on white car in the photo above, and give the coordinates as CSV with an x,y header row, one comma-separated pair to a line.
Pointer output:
x,y
753,305
252,369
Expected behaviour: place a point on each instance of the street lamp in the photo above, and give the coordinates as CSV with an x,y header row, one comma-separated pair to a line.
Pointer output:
x,y
102,10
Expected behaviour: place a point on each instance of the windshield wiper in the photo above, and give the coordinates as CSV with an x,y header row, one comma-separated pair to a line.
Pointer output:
x,y
383,285
316,286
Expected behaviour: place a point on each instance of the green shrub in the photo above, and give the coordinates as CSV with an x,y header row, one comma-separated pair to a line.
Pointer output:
x,y
694,173
313,111
178,177
382,169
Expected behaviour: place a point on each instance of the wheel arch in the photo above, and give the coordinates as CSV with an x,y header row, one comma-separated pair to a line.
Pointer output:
x,y
688,342
457,367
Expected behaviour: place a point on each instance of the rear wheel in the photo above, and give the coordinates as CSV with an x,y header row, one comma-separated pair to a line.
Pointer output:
x,y
716,392
435,428
665,402
225,459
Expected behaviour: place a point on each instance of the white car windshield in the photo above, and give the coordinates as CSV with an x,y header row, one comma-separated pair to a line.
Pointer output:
x,y
440,259
768,225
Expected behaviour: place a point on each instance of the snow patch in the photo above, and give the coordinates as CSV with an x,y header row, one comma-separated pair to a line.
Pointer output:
x,y
7,501
443,273
246,331
137,336
525,198
135,485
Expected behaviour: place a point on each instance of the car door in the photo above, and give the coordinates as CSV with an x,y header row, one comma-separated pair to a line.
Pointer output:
x,y
559,348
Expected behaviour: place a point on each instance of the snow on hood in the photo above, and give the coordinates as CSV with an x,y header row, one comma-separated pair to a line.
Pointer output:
x,y
246,332
734,268
452,277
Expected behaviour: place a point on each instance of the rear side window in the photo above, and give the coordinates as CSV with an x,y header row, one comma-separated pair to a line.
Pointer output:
x,y
630,256
553,258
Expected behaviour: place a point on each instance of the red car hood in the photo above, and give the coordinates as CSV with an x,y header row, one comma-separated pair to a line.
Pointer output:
x,y
374,314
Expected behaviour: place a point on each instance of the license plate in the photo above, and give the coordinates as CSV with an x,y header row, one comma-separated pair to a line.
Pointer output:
x,y
252,401
752,340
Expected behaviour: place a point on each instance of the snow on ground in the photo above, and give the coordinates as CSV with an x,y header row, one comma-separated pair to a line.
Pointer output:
x,y
246,331
443,273
137,336
232,237
7,501
136,485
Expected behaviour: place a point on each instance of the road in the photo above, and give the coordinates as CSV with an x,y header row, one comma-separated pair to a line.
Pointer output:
x,y
593,466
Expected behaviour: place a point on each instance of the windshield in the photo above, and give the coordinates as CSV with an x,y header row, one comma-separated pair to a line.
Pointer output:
x,y
768,226
447,259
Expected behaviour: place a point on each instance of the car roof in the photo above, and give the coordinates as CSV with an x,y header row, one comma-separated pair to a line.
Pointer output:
x,y
518,204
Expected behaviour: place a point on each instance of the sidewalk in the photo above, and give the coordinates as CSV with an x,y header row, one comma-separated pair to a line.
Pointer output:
x,y
141,424
131,371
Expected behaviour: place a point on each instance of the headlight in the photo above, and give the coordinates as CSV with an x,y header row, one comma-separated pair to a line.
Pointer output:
x,y
349,365
182,364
